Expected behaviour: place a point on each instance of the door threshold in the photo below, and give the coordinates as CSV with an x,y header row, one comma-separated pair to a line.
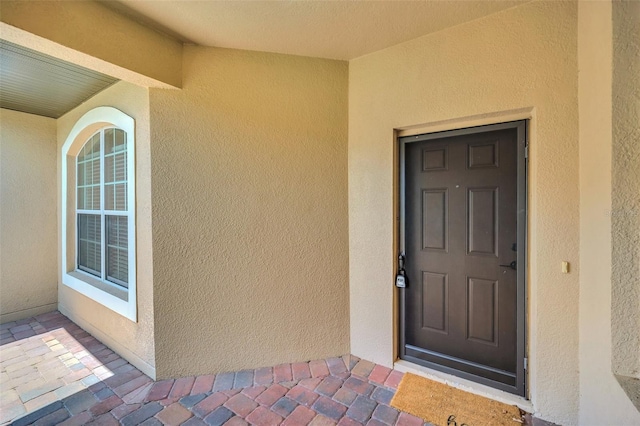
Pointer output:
x,y
464,384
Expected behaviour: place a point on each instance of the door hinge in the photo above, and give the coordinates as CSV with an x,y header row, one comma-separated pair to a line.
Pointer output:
x,y
526,363
526,151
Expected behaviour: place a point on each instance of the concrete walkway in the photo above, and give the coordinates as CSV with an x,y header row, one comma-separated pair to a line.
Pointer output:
x,y
53,372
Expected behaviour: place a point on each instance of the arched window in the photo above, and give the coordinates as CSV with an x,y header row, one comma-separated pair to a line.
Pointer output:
x,y
98,202
102,213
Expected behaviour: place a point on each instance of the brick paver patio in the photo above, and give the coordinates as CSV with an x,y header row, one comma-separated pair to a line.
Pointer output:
x,y
53,372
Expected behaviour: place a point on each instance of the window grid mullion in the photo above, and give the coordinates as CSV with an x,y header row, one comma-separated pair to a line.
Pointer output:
x,y
77,214
103,235
118,249
115,212
113,185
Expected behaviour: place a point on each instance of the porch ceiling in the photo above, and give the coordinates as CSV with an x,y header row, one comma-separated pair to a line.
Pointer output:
x,y
39,84
327,29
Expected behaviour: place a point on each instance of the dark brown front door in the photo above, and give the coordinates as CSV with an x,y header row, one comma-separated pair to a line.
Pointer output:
x,y
461,242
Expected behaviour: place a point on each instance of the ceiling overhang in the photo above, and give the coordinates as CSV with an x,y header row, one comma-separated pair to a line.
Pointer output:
x,y
39,84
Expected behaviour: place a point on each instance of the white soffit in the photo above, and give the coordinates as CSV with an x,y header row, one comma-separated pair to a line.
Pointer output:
x,y
327,29
39,84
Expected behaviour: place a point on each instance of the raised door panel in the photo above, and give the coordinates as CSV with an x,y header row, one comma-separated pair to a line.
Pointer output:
x,y
482,312
435,301
434,219
482,221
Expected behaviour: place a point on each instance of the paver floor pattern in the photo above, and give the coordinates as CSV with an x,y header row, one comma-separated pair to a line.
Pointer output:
x,y
53,372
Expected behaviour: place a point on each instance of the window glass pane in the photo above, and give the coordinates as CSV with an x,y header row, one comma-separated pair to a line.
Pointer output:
x,y
118,141
94,179
115,164
88,197
115,196
81,198
121,196
89,244
120,166
108,197
117,250
115,190
108,140
88,175
81,175
109,170
96,198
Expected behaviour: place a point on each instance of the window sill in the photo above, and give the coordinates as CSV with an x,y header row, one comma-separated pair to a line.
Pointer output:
x,y
109,295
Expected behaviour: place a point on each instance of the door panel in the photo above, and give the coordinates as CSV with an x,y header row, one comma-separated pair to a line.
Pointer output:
x,y
482,314
434,219
460,307
482,222
435,293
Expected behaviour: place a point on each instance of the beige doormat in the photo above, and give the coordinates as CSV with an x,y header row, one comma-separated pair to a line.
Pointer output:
x,y
444,405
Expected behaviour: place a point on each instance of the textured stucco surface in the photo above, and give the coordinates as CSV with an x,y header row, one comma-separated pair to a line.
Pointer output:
x,y
28,256
250,236
101,38
133,341
626,186
520,58
625,220
602,401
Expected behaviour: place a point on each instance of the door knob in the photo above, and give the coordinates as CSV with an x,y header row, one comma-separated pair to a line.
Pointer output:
x,y
513,265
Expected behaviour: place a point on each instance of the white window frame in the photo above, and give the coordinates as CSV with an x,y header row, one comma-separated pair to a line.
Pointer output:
x,y
115,297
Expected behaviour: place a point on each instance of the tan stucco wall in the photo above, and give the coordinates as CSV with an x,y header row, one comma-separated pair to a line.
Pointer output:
x,y
626,187
92,35
250,212
525,57
28,220
133,341
602,401
625,220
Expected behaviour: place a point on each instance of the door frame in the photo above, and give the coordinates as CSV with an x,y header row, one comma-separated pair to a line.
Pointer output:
x,y
521,211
